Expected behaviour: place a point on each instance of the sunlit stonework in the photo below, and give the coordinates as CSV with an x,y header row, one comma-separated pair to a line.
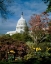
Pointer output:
x,y
21,24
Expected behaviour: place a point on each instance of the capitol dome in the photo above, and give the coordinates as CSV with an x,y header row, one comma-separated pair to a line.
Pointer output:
x,y
21,24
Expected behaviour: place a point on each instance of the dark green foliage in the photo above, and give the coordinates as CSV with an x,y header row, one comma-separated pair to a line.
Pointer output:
x,y
18,37
22,37
49,50
48,38
6,39
26,36
33,61
49,5
30,61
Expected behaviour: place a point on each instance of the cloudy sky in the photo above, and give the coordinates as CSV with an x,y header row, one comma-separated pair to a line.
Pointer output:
x,y
28,7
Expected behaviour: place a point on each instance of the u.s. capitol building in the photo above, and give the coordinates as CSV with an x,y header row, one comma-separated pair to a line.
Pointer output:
x,y
21,24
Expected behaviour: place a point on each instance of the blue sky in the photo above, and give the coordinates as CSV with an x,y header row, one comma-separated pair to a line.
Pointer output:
x,y
28,7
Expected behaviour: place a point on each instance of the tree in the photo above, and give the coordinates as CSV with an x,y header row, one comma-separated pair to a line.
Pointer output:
x,y
3,8
11,46
17,36
38,25
49,5
26,35
49,30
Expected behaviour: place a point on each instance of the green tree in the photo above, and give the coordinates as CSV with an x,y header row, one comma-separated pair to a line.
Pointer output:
x,y
49,5
26,35
18,36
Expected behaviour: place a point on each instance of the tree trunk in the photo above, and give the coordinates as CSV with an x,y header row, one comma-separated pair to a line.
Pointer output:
x,y
35,39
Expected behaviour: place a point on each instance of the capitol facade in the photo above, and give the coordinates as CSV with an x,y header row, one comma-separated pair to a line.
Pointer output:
x,y
21,24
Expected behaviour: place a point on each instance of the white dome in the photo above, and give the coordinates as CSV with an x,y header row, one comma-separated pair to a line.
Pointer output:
x,y
21,24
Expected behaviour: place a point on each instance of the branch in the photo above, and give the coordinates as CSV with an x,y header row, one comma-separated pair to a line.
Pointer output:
x,y
1,1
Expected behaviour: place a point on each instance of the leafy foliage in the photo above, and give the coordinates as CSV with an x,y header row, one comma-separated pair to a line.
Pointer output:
x,y
38,25
49,5
27,52
12,46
